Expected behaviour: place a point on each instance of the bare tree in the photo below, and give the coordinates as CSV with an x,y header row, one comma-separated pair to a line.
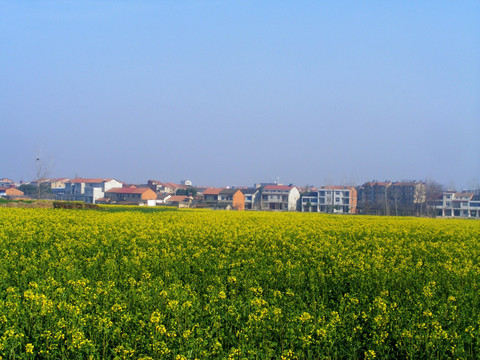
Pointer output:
x,y
43,165
420,198
385,199
396,197
433,191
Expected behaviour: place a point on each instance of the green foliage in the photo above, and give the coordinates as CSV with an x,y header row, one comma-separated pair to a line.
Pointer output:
x,y
187,192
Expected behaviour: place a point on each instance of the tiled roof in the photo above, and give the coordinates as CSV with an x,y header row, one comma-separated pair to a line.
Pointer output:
x,y
229,191
212,191
249,190
379,183
405,183
335,187
459,196
278,187
58,179
178,198
128,190
88,181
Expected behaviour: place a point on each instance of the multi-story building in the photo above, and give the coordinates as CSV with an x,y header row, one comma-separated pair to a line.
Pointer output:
x,y
406,197
460,205
331,199
309,202
88,190
5,182
252,198
57,186
210,196
279,198
392,198
373,197
231,199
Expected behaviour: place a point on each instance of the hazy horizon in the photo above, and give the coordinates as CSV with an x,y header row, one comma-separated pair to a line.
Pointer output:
x,y
236,93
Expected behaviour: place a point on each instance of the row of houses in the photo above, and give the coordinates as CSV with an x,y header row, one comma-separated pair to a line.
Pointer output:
x,y
380,198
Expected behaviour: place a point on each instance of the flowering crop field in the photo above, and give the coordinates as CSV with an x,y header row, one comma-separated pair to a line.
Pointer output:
x,y
231,285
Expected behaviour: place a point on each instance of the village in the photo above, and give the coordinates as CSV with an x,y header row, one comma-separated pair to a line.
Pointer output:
x,y
396,198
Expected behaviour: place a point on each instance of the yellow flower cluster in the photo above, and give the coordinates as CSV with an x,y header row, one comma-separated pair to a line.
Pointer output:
x,y
133,283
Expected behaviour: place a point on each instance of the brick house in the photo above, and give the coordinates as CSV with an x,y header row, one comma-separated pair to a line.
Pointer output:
x,y
10,193
130,195
231,199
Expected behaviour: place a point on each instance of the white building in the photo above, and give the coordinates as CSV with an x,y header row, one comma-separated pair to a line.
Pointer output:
x,y
252,198
459,205
88,190
279,198
331,199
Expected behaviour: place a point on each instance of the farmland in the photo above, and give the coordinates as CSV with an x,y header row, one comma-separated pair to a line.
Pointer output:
x,y
232,285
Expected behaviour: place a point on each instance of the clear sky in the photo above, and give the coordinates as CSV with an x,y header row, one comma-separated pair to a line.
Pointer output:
x,y
238,92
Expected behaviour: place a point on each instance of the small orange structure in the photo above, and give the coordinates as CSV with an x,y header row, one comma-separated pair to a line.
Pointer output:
x,y
10,192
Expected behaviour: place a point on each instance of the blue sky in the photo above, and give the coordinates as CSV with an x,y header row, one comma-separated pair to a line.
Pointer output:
x,y
238,92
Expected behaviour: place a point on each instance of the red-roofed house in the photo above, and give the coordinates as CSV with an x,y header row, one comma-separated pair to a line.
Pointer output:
x,y
130,195
279,198
10,193
7,183
210,196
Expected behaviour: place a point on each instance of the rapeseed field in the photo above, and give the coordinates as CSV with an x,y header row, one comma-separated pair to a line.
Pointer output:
x,y
229,285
